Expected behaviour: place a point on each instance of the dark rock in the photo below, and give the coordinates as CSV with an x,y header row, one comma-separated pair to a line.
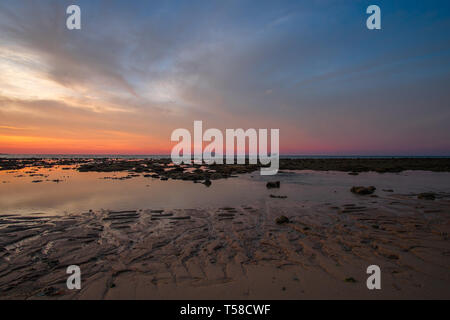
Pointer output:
x,y
363,190
228,209
271,185
51,292
426,196
282,219
226,214
216,176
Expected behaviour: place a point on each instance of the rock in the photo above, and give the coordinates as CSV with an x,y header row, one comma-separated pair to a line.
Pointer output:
x,y
351,280
207,182
228,209
426,196
388,190
282,219
271,185
226,215
51,292
278,197
363,190
216,176
353,173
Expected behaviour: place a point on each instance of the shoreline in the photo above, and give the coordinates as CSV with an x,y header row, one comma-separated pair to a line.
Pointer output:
x,y
310,236
164,168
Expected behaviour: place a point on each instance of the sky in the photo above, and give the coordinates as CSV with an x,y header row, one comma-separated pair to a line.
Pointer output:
x,y
137,70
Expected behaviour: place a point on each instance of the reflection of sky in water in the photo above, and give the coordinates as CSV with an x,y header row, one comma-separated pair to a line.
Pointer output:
x,y
79,192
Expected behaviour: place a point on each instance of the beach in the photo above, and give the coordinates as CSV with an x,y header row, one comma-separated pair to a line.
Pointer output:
x,y
255,154
138,236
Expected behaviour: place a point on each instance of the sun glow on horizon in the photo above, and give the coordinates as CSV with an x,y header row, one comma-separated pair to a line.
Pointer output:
x,y
121,87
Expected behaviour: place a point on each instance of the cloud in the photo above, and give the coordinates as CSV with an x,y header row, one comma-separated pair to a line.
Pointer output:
x,y
136,71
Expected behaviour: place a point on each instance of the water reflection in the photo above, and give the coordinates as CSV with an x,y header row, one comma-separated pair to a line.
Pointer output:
x,y
81,191
64,190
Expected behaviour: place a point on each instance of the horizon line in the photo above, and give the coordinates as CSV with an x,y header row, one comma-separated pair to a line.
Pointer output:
x,y
281,155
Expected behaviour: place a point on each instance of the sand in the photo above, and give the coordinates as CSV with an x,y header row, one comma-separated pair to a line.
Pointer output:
x,y
235,252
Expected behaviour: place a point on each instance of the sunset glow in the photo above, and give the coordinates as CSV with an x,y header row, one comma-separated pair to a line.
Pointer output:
x,y
117,87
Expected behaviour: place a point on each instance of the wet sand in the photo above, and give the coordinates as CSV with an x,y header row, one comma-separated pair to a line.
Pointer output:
x,y
239,251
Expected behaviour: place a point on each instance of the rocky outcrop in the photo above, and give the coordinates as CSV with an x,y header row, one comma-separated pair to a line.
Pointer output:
x,y
363,190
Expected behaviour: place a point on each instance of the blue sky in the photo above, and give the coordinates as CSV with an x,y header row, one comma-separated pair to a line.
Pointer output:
x,y
139,69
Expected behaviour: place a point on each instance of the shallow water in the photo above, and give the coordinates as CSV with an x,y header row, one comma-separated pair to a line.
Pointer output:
x,y
81,191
